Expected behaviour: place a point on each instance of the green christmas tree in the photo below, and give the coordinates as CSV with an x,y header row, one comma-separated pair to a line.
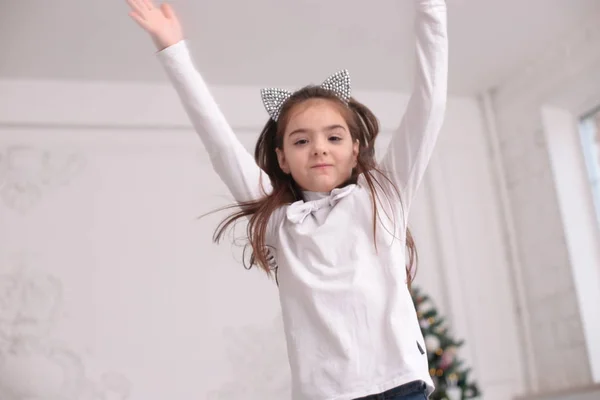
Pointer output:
x,y
451,379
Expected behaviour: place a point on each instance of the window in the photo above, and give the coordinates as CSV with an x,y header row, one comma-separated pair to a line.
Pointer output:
x,y
590,139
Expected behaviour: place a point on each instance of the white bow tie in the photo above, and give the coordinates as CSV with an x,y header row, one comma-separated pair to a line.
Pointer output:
x,y
299,210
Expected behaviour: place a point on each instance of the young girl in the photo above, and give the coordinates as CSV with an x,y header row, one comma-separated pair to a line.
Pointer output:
x,y
331,220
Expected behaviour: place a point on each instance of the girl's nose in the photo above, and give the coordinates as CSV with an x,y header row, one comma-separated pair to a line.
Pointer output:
x,y
320,147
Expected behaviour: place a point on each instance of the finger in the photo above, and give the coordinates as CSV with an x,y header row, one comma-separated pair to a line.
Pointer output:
x,y
148,4
137,6
167,10
141,21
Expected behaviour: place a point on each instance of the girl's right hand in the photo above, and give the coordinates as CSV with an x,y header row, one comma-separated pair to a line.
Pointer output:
x,y
161,23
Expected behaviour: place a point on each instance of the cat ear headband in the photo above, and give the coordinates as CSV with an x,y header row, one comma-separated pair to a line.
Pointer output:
x,y
338,83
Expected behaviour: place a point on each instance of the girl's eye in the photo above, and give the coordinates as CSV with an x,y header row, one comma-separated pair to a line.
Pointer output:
x,y
335,138
300,142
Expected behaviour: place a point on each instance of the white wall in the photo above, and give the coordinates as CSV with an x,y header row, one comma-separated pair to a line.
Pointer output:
x,y
122,290
556,246
110,272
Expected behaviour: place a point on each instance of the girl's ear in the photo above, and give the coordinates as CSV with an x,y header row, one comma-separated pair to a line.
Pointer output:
x,y
355,150
283,164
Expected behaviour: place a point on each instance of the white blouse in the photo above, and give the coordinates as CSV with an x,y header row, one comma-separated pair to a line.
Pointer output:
x,y
350,323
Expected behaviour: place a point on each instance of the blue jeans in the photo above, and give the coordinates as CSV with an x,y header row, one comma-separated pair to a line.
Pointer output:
x,y
410,391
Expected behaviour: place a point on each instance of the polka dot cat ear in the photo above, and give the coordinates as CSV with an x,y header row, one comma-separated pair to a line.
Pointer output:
x,y
273,99
338,83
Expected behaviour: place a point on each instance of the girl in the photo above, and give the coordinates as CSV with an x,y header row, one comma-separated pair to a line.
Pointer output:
x,y
331,220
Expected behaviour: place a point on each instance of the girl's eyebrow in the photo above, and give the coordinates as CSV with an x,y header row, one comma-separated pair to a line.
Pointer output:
x,y
327,128
300,130
332,127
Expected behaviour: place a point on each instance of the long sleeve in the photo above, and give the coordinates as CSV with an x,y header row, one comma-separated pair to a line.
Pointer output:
x,y
231,161
412,144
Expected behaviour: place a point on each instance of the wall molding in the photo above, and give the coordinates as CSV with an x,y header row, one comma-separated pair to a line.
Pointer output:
x,y
92,104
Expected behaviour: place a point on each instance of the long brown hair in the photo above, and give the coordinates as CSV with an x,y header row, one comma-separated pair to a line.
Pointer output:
x,y
364,128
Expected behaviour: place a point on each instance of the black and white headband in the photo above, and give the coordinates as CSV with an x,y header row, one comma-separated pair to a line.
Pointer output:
x,y
338,83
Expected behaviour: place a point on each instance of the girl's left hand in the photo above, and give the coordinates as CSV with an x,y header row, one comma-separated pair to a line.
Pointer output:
x,y
161,23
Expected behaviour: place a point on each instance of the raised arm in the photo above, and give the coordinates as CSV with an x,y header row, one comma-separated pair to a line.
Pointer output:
x,y
233,163
412,144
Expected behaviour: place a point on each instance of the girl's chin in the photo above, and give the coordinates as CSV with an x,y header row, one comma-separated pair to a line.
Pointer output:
x,y
322,183
323,187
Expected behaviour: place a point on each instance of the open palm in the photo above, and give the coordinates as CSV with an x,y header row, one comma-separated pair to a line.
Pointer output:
x,y
161,23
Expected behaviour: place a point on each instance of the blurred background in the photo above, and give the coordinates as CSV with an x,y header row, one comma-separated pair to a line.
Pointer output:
x,y
110,286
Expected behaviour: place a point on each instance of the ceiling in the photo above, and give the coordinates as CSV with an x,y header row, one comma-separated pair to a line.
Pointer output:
x,y
282,43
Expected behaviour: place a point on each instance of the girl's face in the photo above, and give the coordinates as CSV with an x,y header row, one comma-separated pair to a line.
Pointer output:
x,y
318,150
